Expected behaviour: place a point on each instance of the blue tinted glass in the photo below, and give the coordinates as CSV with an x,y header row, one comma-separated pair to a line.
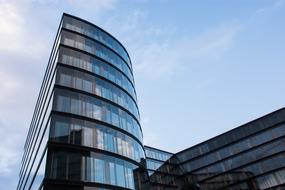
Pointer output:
x,y
99,170
120,175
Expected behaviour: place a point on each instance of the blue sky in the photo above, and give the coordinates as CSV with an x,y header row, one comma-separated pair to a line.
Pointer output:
x,y
201,67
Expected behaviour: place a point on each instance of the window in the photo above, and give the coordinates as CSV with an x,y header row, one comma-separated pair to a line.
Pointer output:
x,y
65,79
96,168
99,170
88,169
89,112
59,166
98,89
115,117
74,168
76,134
129,178
63,103
87,86
88,137
61,131
112,174
78,82
100,139
91,107
97,112
86,62
120,176
75,106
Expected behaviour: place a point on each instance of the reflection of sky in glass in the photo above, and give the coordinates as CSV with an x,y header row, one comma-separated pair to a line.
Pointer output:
x,y
223,69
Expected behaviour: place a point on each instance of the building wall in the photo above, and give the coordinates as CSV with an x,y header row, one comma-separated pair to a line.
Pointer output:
x,y
85,132
155,158
249,157
91,131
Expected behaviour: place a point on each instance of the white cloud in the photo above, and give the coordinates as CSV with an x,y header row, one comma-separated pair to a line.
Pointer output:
x,y
11,24
157,60
16,103
18,30
215,42
279,3
97,5
8,84
9,149
150,138
27,31
262,11
159,51
22,33
9,19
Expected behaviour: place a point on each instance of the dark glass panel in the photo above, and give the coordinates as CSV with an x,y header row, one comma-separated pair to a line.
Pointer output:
x,y
98,168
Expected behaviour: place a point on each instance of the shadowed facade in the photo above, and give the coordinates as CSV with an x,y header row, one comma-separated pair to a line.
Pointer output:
x,y
251,156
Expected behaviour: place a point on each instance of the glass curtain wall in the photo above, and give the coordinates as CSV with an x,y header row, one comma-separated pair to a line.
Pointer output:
x,y
95,135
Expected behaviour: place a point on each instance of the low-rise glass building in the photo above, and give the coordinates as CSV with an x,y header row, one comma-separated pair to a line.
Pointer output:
x,y
155,158
251,156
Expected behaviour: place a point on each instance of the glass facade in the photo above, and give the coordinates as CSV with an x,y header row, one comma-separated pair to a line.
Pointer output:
x,y
249,157
155,158
94,135
97,34
95,48
98,67
94,85
85,132
95,167
91,107
157,154
248,145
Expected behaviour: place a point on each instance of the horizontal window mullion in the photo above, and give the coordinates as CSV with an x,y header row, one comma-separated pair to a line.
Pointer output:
x,y
94,85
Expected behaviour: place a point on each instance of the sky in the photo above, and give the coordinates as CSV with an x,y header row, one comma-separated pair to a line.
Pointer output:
x,y
201,67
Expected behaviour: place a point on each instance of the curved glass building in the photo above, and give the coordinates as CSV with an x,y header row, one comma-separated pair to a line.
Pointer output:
x,y
85,132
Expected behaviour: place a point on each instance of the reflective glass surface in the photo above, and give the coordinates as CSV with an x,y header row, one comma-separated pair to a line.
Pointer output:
x,y
153,164
90,134
235,135
79,104
95,85
256,161
156,154
259,168
246,157
94,188
271,180
97,168
95,33
248,143
79,42
91,64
